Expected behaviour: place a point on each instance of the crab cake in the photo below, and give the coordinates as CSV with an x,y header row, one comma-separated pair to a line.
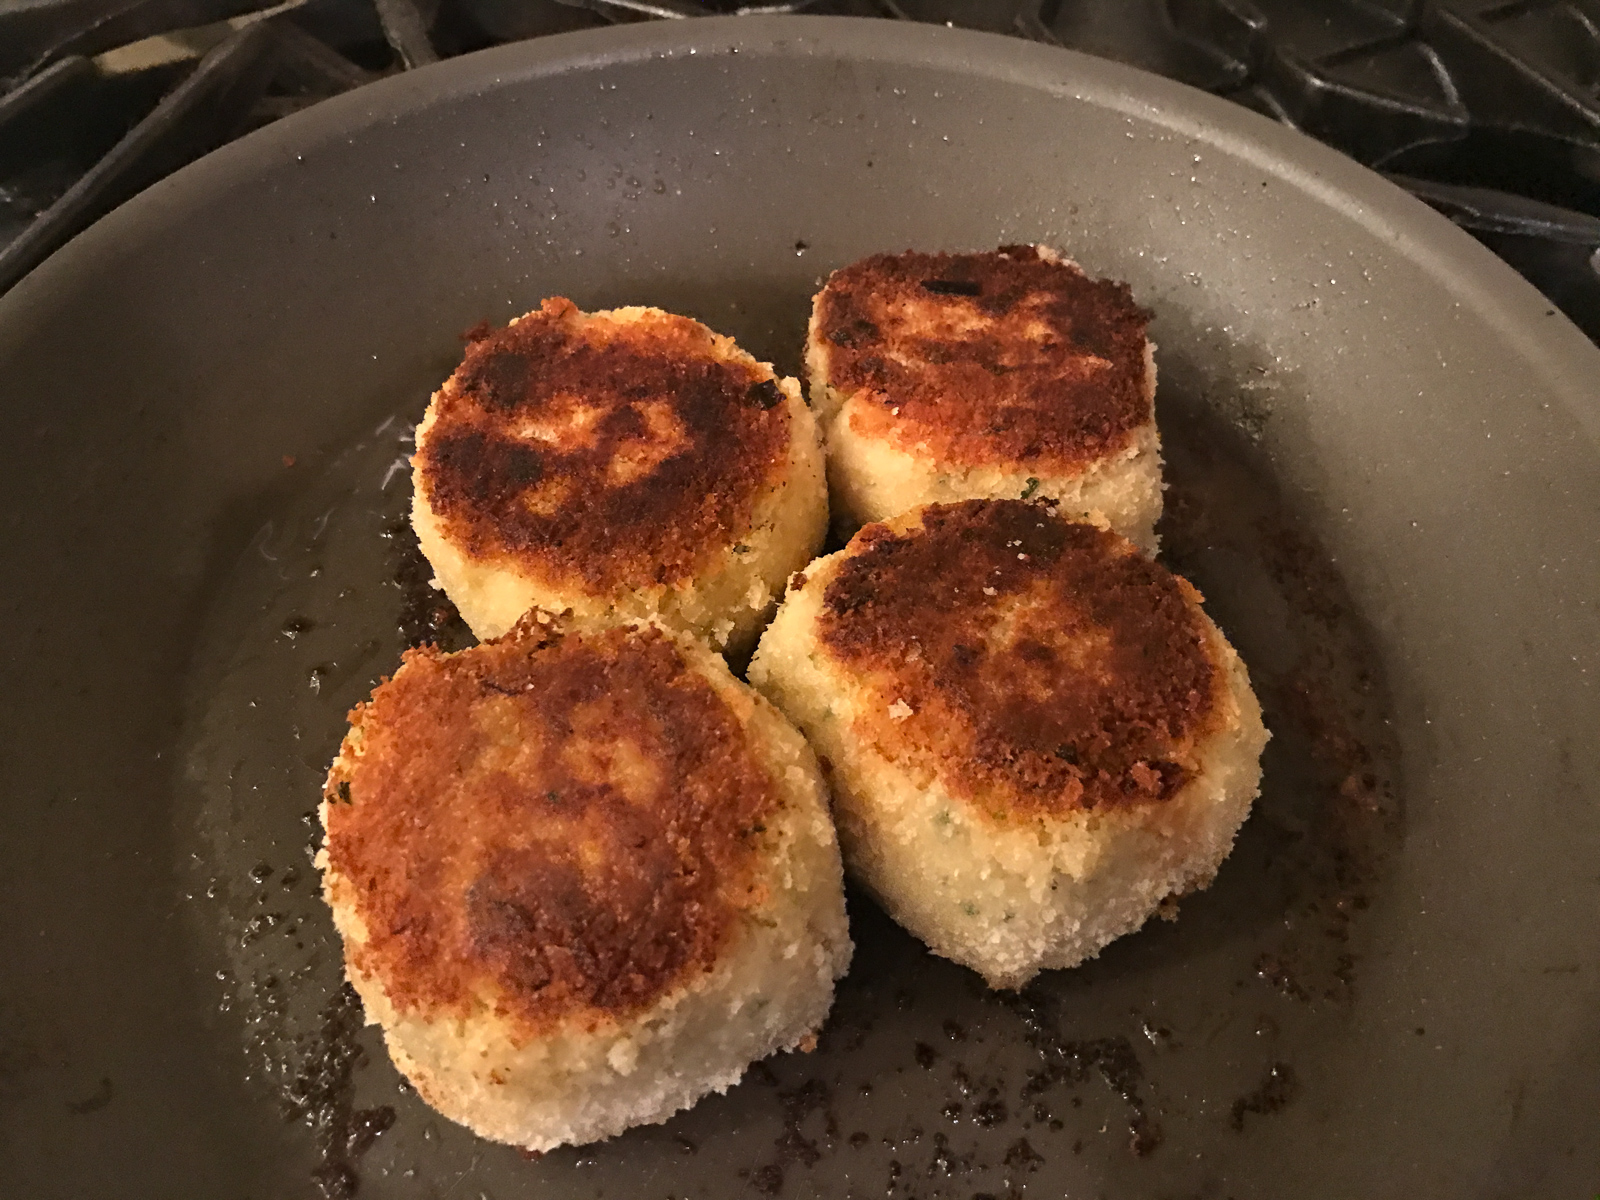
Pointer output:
x,y
619,464
1011,373
582,878
1033,733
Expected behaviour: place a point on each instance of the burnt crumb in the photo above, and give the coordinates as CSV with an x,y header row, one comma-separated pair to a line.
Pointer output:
x,y
768,1180
954,1031
322,1095
798,1104
952,287
335,1181
925,1054
1272,969
765,394
763,1075
946,1161
1156,1035
366,1126
1279,1087
1021,1155
426,615
1112,1058
990,1113
801,245
895,1171
859,1139
1302,568
102,1096
295,626
685,1145
261,924
1143,1136
1344,970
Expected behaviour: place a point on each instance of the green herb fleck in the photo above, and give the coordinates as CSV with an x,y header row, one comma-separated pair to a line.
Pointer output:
x,y
968,907
741,548
1033,486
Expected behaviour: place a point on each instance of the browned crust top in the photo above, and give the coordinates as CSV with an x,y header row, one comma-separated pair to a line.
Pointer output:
x,y
1002,356
1084,681
610,455
565,826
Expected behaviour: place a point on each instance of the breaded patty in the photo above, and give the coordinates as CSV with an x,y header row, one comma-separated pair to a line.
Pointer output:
x,y
583,878
1034,733
619,464
1005,374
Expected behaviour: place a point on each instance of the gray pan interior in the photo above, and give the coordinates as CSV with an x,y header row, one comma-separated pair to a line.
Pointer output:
x,y
1385,463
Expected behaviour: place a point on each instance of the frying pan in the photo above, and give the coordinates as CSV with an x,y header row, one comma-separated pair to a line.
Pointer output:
x,y
1384,451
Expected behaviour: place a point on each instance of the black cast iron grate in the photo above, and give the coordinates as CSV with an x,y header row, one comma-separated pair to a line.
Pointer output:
x,y
1489,111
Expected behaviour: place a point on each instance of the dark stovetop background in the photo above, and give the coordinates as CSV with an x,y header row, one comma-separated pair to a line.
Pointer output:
x,y
1489,111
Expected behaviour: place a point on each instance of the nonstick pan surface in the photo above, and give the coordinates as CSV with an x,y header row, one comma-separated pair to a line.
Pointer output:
x,y
1384,456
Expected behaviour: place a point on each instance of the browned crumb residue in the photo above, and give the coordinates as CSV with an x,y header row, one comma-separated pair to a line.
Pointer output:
x,y
1033,663
566,826
615,455
1002,356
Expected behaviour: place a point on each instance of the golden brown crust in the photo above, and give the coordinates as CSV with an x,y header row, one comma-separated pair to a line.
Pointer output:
x,y
1033,664
565,827
1003,356
602,453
